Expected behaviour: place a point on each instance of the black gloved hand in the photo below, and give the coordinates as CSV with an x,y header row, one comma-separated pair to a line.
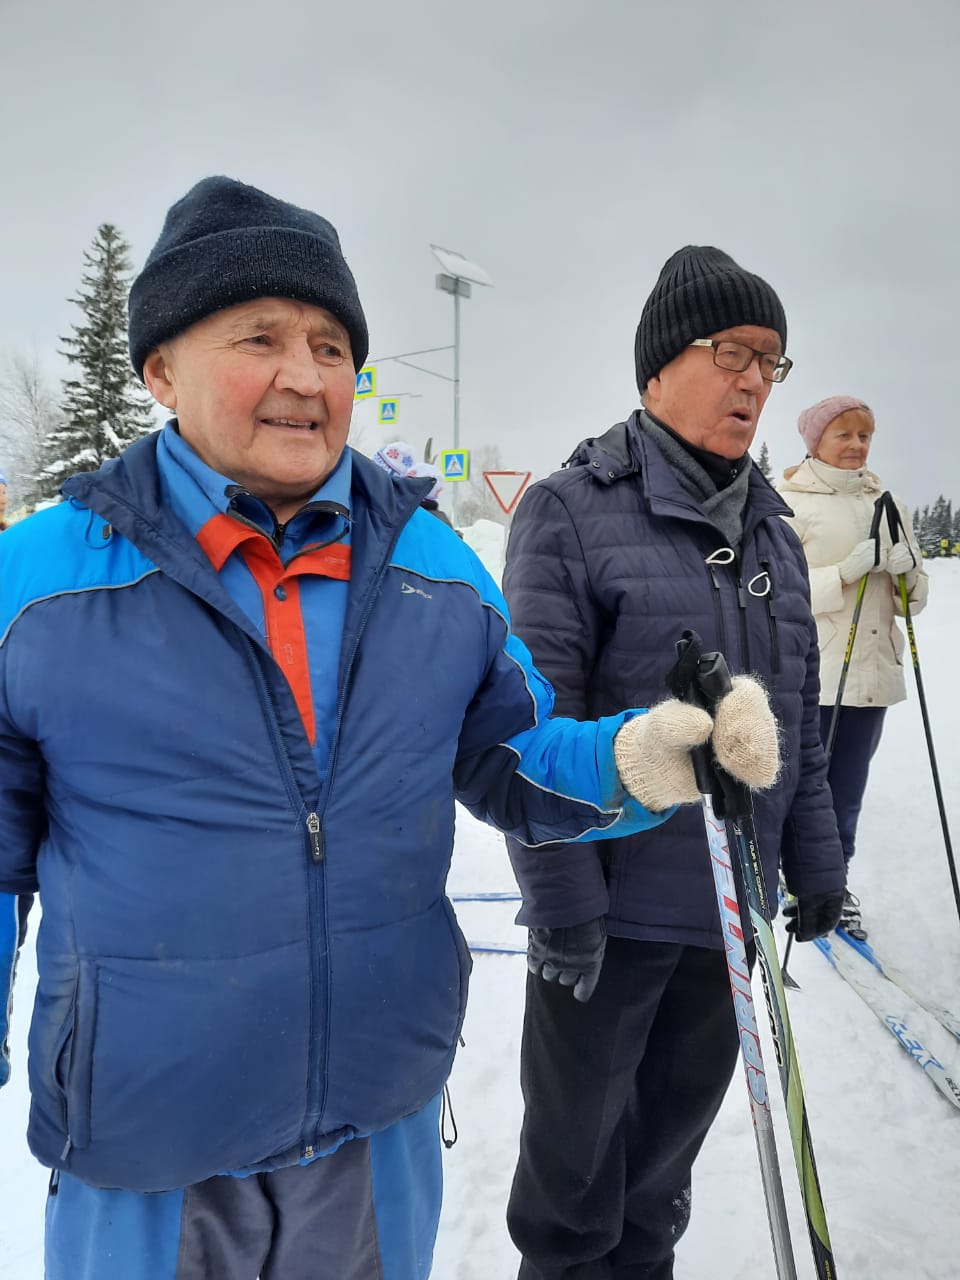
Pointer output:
x,y
571,956
814,915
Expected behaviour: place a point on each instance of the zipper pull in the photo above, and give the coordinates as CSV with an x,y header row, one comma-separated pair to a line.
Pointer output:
x,y
316,839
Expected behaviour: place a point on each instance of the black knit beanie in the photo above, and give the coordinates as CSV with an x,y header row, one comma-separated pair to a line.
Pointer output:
x,y
225,243
701,291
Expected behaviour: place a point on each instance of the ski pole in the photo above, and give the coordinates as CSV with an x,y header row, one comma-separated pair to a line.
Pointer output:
x,y
711,683
878,507
895,524
858,606
738,972
786,978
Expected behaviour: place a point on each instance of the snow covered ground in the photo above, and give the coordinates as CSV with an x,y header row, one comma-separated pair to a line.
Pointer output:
x,y
887,1144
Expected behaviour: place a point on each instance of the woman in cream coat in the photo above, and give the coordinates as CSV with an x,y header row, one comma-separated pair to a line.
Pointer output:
x,y
833,497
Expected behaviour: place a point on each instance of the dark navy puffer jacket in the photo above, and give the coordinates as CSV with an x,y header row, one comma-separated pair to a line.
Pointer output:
x,y
607,565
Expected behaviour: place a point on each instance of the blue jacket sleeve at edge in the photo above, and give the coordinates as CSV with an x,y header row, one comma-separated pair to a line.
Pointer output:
x,y
13,930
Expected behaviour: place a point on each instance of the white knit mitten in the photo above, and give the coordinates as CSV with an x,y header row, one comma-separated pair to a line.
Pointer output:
x,y
900,559
745,738
862,559
653,754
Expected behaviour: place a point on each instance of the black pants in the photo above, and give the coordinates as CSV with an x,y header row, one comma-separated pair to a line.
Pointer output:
x,y
619,1094
855,744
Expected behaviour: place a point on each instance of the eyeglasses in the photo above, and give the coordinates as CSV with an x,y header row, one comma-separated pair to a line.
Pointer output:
x,y
737,356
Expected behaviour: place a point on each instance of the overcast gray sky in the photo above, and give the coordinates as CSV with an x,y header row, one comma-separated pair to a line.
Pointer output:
x,y
568,147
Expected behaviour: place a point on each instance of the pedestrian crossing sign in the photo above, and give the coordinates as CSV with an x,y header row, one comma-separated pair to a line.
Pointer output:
x,y
366,382
389,411
455,464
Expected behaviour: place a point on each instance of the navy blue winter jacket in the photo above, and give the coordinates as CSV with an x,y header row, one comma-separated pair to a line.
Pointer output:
x,y
239,966
607,565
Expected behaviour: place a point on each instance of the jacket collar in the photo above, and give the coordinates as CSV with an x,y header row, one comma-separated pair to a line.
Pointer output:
x,y
814,476
625,451
126,492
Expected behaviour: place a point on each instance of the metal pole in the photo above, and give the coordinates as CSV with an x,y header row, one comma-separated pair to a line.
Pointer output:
x,y
456,387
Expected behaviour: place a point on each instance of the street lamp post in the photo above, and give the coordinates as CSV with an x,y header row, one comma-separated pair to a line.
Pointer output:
x,y
457,276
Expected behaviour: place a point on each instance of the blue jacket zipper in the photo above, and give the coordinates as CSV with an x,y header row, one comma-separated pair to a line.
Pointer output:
x,y
318,1087
318,993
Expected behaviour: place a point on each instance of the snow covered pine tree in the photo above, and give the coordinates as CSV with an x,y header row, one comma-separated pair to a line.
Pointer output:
x,y
105,408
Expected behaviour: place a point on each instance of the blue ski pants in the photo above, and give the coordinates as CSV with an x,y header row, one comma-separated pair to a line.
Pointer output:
x,y
855,744
368,1211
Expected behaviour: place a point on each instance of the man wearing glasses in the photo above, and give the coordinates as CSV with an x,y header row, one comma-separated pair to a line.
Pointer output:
x,y
661,524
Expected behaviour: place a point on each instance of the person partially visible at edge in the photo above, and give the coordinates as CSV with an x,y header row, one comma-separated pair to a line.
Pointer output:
x,y
661,524
247,961
833,495
431,502
398,459
4,499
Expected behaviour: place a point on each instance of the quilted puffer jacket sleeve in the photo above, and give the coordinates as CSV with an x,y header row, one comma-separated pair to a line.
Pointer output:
x,y
548,587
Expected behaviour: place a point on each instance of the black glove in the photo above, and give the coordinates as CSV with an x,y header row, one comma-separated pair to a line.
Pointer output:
x,y
814,915
572,955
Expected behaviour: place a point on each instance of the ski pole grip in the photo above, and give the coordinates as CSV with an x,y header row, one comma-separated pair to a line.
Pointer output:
x,y
712,684
878,509
713,679
894,522
682,683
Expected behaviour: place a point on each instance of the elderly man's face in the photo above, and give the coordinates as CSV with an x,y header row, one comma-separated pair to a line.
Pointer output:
x,y
714,409
263,392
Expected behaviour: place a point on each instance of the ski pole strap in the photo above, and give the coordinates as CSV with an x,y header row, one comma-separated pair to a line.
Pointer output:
x,y
703,679
895,523
878,510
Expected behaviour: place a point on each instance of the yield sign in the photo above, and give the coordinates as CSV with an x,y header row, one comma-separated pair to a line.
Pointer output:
x,y
507,486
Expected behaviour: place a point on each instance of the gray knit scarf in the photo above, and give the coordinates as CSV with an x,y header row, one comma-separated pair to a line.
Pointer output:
x,y
722,507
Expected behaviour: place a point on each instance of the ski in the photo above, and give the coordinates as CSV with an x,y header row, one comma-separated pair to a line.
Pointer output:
x,y
949,1021
485,897
846,966
495,949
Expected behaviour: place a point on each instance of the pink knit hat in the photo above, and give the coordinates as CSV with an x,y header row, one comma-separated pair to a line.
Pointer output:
x,y
814,421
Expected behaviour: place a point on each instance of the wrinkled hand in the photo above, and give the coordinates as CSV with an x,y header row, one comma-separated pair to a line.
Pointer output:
x,y
900,559
653,751
571,956
813,915
862,559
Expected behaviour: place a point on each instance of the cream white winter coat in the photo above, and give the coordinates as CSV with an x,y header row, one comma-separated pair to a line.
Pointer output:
x,y
833,509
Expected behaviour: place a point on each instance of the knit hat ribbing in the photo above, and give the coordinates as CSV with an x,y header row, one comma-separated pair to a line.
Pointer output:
x,y
224,243
814,421
701,291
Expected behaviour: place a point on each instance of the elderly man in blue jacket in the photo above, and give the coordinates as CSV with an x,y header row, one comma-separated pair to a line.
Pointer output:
x,y
660,524
251,982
